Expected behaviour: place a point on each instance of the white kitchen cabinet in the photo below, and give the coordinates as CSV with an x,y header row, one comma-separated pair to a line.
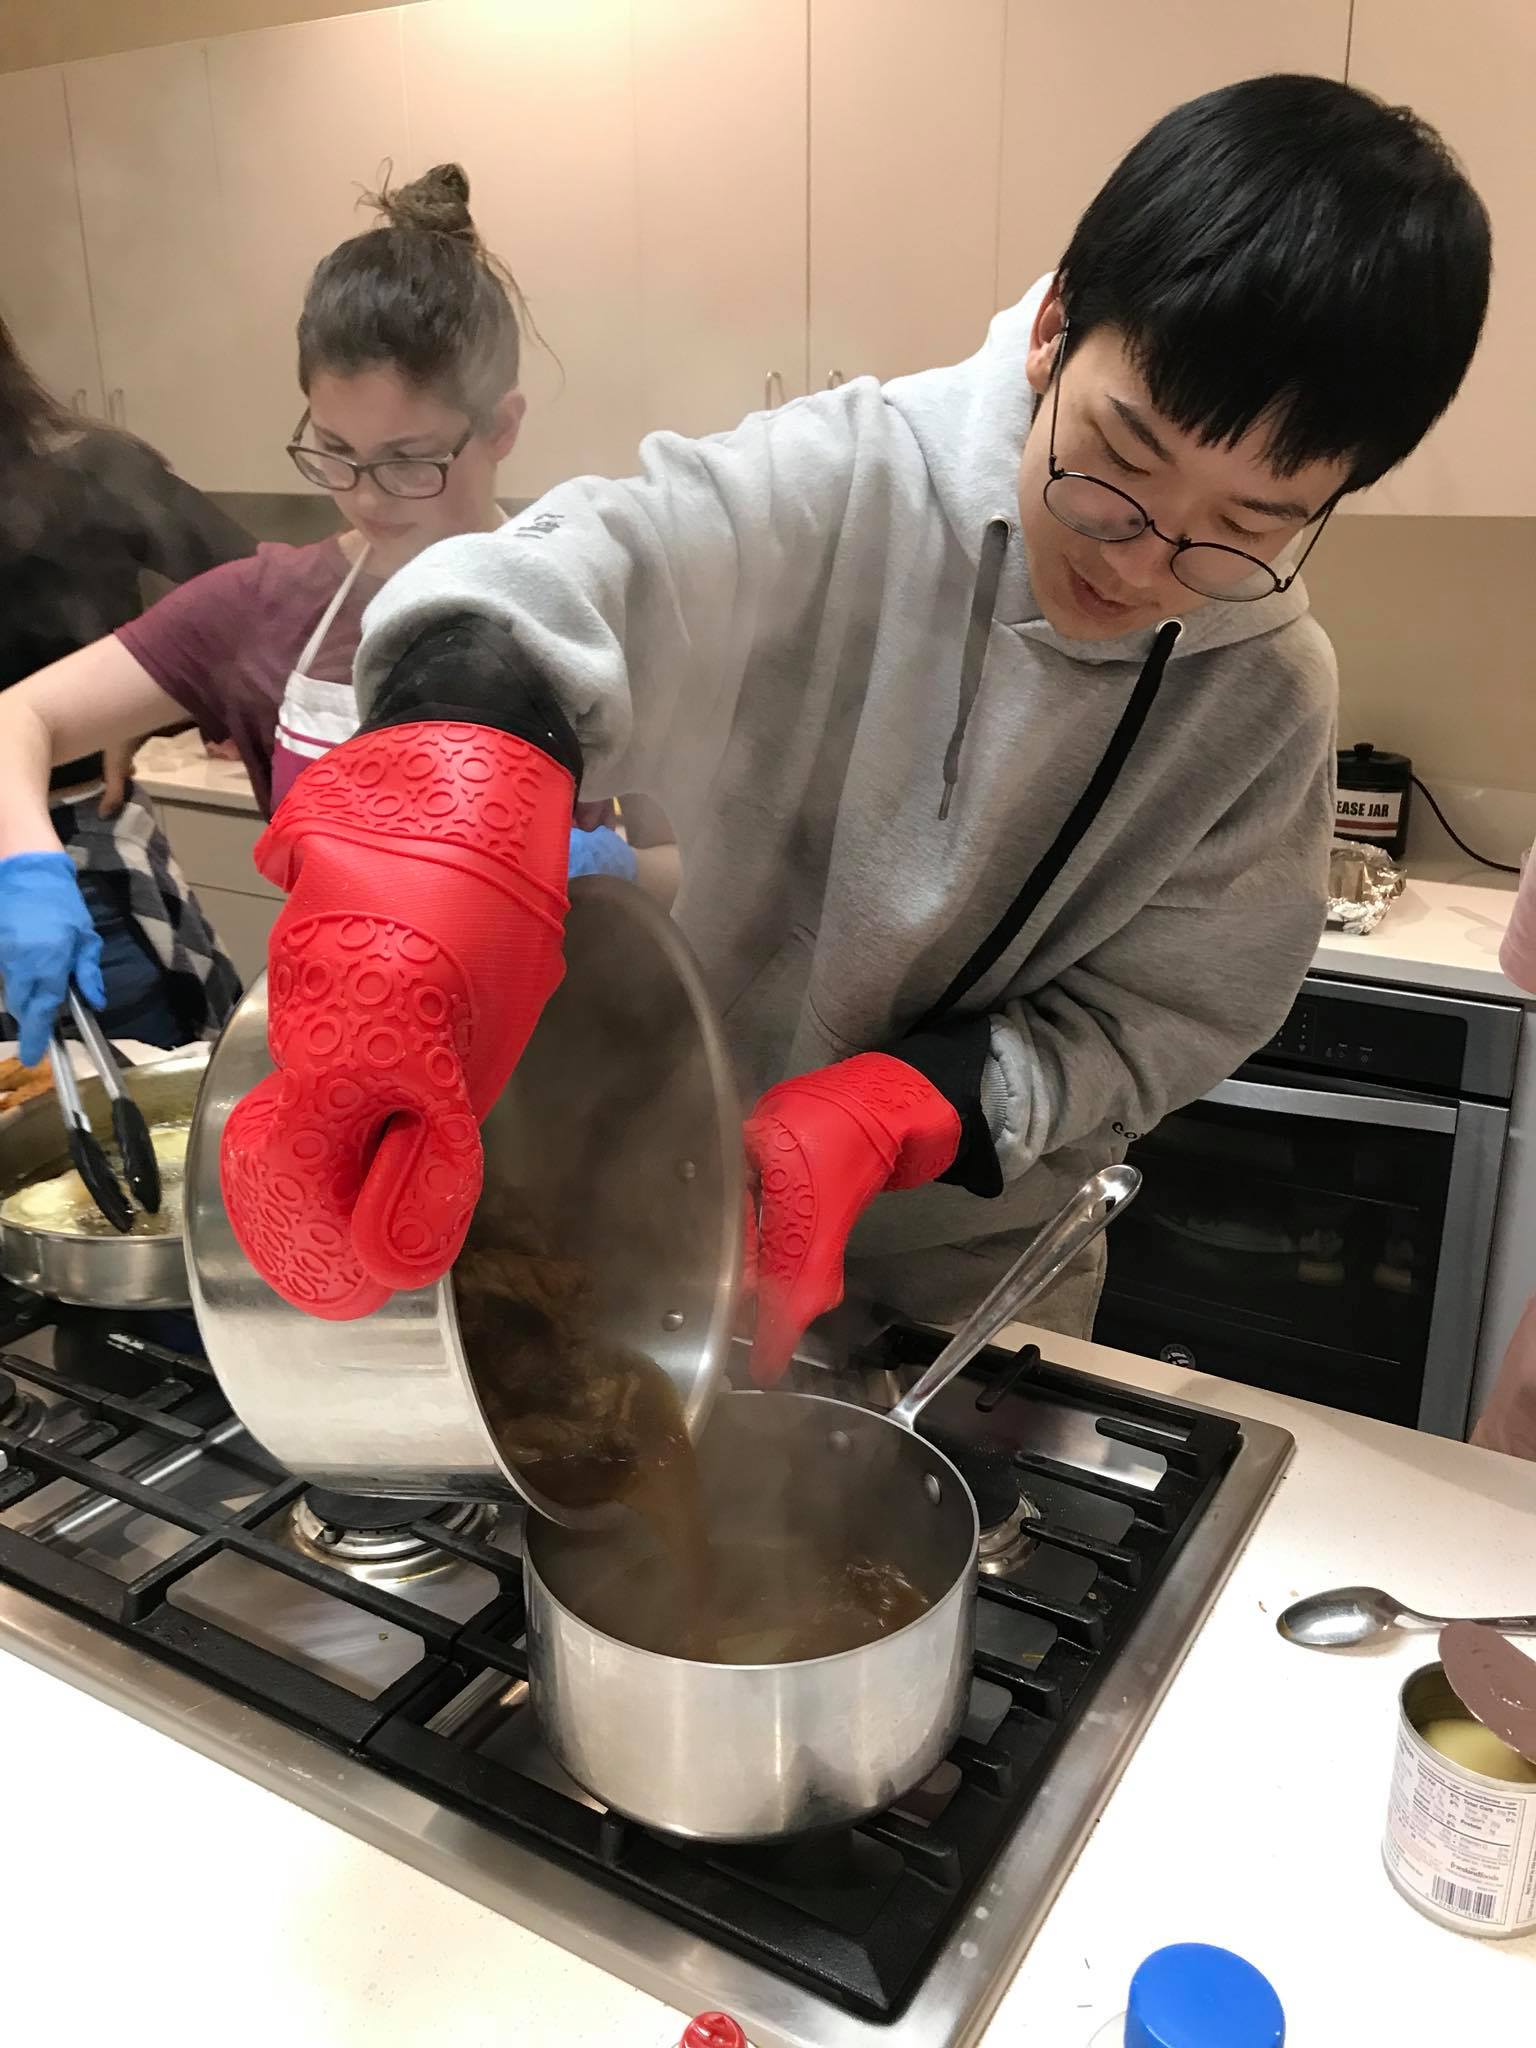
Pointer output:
x,y
213,843
157,252
1469,70
45,299
537,103
696,195
905,113
305,119
242,925
1083,83
216,845
721,154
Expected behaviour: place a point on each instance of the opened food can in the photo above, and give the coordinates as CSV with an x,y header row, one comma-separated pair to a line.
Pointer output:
x,y
1459,1845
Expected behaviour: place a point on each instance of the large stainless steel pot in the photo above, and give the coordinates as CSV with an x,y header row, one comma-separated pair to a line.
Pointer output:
x,y
751,1752
621,1126
96,1272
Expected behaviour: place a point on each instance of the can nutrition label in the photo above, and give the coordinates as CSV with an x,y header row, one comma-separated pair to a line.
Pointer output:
x,y
1461,1849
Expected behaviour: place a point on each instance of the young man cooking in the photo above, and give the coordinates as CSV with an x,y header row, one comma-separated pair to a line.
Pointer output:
x,y
987,707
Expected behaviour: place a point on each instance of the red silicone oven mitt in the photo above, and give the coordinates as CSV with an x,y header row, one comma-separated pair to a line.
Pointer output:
x,y
823,1146
425,866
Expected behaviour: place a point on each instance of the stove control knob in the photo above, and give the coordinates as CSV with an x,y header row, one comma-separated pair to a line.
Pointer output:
x,y
713,2030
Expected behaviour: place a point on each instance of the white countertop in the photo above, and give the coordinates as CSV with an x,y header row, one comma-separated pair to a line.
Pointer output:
x,y
1250,1815
1437,934
171,772
1442,932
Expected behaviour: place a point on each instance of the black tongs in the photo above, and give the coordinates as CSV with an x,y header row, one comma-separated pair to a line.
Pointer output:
x,y
140,1166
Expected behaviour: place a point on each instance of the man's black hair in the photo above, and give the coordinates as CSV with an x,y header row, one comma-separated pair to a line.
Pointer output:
x,y
1289,253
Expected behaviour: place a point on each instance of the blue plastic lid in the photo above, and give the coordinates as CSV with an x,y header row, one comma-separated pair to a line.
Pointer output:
x,y
1193,1996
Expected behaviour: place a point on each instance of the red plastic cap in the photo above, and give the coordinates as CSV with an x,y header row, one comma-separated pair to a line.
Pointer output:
x,y
713,2030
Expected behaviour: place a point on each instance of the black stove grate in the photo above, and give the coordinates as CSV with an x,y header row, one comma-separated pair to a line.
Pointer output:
x,y
858,1916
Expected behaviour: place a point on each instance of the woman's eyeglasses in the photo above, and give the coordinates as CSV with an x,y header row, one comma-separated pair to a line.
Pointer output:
x,y
1103,512
402,476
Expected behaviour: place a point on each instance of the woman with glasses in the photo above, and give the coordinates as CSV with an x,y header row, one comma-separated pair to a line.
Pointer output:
x,y
987,706
409,349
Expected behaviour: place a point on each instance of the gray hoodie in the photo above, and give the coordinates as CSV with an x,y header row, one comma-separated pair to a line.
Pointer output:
x,y
766,630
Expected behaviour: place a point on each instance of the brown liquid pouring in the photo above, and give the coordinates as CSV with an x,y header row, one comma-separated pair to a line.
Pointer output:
x,y
587,1422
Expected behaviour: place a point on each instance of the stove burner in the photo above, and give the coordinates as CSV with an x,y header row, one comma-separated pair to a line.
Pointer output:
x,y
372,1538
1003,1509
370,1511
1006,1544
18,1411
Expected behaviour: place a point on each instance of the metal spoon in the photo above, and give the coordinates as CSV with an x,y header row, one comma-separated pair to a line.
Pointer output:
x,y
1347,1615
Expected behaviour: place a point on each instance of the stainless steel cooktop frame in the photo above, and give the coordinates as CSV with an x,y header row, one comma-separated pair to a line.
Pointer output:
x,y
972,1971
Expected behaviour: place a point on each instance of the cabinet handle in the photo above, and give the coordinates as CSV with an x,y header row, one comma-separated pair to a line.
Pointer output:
x,y
772,383
77,403
117,410
834,378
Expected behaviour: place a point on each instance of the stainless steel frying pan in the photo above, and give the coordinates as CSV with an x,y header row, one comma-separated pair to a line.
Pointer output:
x,y
108,1271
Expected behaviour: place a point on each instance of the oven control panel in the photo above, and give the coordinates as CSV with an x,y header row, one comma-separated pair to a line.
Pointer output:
x,y
1340,1034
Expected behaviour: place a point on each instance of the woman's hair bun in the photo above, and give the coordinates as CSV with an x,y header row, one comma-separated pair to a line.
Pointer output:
x,y
436,203
420,293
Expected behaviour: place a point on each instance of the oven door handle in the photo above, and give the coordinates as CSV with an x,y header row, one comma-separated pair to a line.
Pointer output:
x,y
1388,1112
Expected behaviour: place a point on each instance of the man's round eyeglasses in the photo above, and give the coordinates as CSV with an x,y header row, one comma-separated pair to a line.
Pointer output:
x,y
402,476
1103,512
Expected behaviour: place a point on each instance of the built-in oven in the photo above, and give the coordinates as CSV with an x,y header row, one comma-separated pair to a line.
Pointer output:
x,y
1321,1223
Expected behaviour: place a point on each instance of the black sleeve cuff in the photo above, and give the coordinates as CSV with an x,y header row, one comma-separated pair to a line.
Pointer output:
x,y
953,1057
470,668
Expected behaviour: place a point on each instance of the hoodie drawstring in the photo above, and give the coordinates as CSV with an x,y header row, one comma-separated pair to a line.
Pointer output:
x,y
1082,815
989,574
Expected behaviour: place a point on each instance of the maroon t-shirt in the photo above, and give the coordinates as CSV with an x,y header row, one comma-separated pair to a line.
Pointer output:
x,y
223,645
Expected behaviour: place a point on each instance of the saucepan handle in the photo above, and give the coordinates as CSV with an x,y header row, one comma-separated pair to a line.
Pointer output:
x,y
1047,1255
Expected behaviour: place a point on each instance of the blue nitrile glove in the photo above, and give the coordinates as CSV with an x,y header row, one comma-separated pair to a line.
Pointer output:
x,y
601,852
46,935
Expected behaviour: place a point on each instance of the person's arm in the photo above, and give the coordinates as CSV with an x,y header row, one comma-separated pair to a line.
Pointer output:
x,y
659,871
88,700
96,698
1149,1018
157,670
603,638
634,605
1517,953
1166,1007
116,774
658,858
647,852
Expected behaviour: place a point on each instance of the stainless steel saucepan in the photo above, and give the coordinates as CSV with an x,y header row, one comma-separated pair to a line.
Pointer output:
x,y
751,1752
620,1133
108,1271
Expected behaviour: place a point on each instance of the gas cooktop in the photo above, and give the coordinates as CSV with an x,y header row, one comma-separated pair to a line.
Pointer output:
x,y
153,1554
